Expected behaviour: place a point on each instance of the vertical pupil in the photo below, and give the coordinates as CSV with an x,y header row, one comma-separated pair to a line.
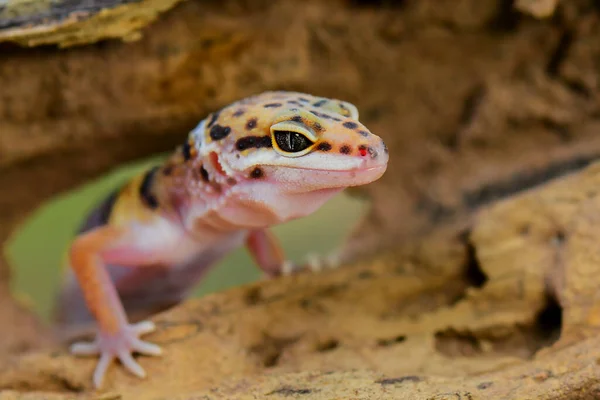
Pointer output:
x,y
298,142
288,142
291,141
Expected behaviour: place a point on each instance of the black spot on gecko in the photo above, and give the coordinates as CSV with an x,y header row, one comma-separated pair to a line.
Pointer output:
x,y
345,149
101,213
324,146
294,102
186,150
317,127
297,118
343,108
324,116
256,173
350,125
204,173
257,142
213,118
304,100
219,132
272,105
319,103
239,112
146,189
385,149
251,123
363,133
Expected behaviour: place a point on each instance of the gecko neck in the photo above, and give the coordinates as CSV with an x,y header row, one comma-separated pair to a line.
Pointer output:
x,y
238,204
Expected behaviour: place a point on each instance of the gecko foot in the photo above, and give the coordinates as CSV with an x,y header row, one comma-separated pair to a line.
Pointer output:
x,y
120,345
314,263
318,263
288,267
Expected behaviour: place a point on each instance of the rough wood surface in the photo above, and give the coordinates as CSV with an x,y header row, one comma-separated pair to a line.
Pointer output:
x,y
76,22
477,101
506,310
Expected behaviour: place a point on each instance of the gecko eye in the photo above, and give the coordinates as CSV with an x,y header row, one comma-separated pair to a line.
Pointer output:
x,y
292,138
291,142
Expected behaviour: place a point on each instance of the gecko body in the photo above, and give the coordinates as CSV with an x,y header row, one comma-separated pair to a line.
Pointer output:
x,y
261,161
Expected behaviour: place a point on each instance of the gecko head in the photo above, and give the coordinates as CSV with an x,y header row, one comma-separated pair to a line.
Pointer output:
x,y
300,142
294,147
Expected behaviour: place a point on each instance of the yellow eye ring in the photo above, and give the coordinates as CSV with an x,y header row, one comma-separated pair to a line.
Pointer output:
x,y
292,139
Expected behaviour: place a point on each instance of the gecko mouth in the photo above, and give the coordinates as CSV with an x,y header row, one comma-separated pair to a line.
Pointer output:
x,y
353,172
326,179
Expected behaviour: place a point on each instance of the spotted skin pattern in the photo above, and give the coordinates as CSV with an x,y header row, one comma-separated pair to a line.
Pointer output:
x,y
261,161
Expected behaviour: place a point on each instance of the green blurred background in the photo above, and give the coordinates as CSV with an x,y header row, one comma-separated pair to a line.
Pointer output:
x,y
36,251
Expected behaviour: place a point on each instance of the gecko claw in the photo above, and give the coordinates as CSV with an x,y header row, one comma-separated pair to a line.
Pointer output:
x,y
318,263
314,262
333,260
119,346
288,268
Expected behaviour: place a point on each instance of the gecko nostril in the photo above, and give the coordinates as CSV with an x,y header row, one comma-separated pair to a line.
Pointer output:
x,y
372,152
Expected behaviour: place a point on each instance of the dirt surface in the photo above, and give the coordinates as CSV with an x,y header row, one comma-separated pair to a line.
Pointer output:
x,y
477,101
506,310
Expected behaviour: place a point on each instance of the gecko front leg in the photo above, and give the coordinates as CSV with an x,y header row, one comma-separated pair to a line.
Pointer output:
x,y
268,254
116,338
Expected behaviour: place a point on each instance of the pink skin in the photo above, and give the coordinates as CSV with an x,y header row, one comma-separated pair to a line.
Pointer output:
x,y
204,224
263,247
287,204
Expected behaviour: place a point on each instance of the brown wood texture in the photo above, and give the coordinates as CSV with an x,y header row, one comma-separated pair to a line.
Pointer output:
x,y
474,274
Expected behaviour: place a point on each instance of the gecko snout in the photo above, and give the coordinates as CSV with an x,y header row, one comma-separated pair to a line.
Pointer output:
x,y
373,152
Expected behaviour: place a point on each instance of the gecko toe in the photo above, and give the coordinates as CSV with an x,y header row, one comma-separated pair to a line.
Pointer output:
x,y
85,348
334,260
314,262
131,365
146,348
101,368
141,328
288,268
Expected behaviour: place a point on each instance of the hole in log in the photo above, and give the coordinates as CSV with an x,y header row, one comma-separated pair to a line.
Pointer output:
x,y
520,341
327,345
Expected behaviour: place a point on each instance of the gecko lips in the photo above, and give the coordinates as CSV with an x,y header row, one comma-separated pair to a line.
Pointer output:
x,y
332,171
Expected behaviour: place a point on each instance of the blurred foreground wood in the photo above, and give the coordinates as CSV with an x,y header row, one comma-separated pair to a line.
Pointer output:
x,y
467,280
509,309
